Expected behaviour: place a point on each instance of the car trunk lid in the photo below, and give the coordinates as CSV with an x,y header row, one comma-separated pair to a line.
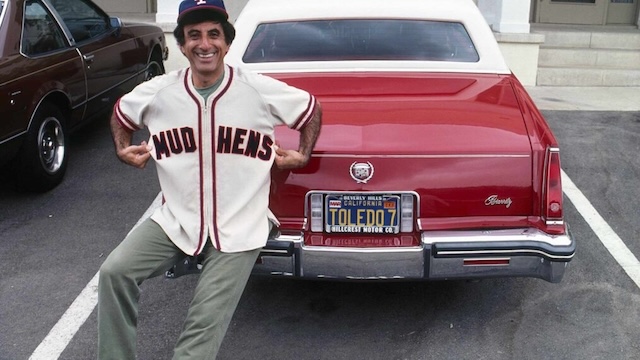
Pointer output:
x,y
457,141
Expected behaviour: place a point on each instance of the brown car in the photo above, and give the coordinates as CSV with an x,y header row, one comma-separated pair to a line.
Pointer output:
x,y
62,64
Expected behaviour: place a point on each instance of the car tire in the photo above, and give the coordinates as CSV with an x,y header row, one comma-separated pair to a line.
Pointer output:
x,y
42,160
154,68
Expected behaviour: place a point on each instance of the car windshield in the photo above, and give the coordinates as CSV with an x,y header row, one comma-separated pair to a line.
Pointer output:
x,y
360,39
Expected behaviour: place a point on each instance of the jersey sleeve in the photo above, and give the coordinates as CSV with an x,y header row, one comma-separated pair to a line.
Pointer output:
x,y
129,110
290,105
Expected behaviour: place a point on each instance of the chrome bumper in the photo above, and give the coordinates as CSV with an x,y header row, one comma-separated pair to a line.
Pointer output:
x,y
442,255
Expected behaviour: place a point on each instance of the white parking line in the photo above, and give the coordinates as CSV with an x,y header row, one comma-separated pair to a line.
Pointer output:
x,y
61,334
63,331
603,231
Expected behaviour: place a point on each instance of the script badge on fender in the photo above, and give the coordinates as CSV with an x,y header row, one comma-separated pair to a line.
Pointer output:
x,y
361,172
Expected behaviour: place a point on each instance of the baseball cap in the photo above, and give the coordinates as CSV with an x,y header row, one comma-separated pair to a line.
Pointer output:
x,y
190,6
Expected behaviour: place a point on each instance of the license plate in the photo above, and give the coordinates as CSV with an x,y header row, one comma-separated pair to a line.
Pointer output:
x,y
362,213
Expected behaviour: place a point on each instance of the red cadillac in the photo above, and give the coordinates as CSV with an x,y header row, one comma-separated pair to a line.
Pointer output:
x,y
433,162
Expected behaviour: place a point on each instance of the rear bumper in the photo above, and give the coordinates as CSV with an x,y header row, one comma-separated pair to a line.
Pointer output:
x,y
442,255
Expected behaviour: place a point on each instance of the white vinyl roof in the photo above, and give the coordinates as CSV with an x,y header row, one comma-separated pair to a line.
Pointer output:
x,y
465,12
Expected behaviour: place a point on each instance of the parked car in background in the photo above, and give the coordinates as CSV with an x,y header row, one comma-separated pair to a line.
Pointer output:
x,y
433,162
62,64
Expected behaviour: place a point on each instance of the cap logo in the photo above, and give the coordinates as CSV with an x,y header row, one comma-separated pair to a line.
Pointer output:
x,y
200,2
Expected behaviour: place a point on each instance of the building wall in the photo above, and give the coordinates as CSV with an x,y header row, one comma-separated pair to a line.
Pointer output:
x,y
127,6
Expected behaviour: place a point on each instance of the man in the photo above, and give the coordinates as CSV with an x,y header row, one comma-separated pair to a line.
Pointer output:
x,y
212,137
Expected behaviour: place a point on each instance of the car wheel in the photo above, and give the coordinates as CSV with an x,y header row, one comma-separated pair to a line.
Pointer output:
x,y
154,68
42,161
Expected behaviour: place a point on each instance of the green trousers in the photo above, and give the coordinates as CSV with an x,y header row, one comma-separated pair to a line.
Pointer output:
x,y
148,252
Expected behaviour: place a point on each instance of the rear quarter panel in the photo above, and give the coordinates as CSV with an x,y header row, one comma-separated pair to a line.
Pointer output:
x,y
541,136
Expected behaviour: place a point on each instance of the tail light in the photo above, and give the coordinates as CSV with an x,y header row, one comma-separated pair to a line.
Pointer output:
x,y
406,213
317,214
552,205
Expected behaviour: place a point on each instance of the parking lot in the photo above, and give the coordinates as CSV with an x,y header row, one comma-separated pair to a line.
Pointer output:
x,y
53,244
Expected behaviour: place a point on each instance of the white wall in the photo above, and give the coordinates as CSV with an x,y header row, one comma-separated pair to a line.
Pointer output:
x,y
506,16
125,6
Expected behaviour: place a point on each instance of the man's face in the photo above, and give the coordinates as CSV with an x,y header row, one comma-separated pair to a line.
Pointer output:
x,y
205,48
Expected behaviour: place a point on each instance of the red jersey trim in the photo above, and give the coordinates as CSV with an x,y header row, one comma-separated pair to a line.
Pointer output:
x,y
123,120
195,98
201,238
213,151
307,115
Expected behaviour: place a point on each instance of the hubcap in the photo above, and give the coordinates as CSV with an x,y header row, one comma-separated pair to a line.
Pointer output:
x,y
51,145
153,70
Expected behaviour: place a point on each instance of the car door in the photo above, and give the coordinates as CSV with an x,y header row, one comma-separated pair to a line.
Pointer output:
x,y
108,52
44,62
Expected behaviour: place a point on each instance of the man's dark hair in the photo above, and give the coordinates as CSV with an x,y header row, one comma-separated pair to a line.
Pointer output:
x,y
203,15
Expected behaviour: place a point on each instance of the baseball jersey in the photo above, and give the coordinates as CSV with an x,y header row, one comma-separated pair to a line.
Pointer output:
x,y
214,158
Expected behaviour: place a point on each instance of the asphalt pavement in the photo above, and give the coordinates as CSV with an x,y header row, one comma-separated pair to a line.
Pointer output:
x,y
586,98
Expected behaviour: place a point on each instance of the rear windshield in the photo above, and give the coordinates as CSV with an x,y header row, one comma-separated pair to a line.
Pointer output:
x,y
360,39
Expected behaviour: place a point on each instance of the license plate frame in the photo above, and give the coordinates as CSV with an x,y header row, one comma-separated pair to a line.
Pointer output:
x,y
362,213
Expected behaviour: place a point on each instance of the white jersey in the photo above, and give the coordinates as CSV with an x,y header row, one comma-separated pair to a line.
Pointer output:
x,y
214,158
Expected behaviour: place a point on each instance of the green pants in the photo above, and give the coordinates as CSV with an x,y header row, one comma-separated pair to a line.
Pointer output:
x,y
148,252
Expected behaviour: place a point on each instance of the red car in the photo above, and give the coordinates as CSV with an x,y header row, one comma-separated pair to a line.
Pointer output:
x,y
62,64
433,163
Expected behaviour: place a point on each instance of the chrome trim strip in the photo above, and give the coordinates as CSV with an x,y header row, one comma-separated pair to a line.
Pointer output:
x,y
363,66
273,251
506,252
296,239
15,136
469,236
348,250
410,156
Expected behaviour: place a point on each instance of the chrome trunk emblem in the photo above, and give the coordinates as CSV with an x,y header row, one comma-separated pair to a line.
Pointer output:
x,y
495,200
361,172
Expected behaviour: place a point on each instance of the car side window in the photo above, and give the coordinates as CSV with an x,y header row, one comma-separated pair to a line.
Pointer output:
x,y
83,20
40,33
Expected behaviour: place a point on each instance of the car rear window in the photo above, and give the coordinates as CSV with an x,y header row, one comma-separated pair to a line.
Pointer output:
x,y
360,39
